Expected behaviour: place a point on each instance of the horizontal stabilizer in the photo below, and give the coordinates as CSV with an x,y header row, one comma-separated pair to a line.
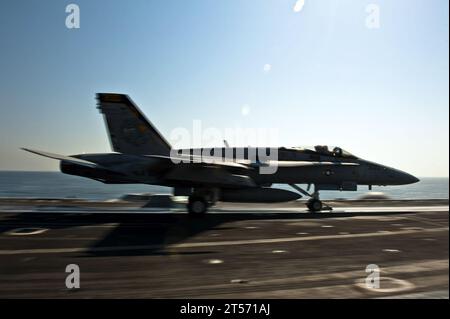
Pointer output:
x,y
63,158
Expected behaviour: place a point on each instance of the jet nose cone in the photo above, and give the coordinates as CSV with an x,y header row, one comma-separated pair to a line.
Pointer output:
x,y
409,179
414,179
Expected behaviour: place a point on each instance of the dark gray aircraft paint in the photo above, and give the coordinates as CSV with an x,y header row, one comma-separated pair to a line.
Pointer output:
x,y
143,156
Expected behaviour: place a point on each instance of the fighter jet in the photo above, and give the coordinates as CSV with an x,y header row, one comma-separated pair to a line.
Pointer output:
x,y
229,174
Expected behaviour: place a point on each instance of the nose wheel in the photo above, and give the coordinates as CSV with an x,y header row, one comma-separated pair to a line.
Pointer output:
x,y
314,204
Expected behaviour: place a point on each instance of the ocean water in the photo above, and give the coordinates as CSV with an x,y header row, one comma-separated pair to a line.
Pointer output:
x,y
58,185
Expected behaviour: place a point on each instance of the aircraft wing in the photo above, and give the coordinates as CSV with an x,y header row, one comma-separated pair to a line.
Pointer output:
x,y
213,172
209,161
309,164
206,174
69,159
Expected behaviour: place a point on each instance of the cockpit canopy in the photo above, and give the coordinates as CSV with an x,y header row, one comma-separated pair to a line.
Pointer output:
x,y
326,151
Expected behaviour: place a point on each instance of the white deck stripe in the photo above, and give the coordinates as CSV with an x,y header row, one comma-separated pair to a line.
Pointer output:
x,y
216,243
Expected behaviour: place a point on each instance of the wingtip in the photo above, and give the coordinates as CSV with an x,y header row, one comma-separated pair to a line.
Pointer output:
x,y
29,150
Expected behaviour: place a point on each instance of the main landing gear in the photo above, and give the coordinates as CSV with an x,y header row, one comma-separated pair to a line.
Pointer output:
x,y
314,204
197,205
200,200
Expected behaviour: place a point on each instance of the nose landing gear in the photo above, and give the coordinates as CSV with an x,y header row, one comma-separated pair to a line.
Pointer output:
x,y
314,204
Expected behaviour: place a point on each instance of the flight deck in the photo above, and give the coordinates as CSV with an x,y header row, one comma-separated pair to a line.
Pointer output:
x,y
235,251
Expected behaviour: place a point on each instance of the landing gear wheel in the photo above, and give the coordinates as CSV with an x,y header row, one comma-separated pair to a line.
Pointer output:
x,y
314,205
197,206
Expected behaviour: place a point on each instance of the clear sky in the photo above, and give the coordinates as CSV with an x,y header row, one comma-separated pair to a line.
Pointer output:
x,y
318,75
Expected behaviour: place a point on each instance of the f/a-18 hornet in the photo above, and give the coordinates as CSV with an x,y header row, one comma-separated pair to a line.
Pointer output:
x,y
230,174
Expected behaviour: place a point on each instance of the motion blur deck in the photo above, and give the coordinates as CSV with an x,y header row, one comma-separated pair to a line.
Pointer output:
x,y
237,251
